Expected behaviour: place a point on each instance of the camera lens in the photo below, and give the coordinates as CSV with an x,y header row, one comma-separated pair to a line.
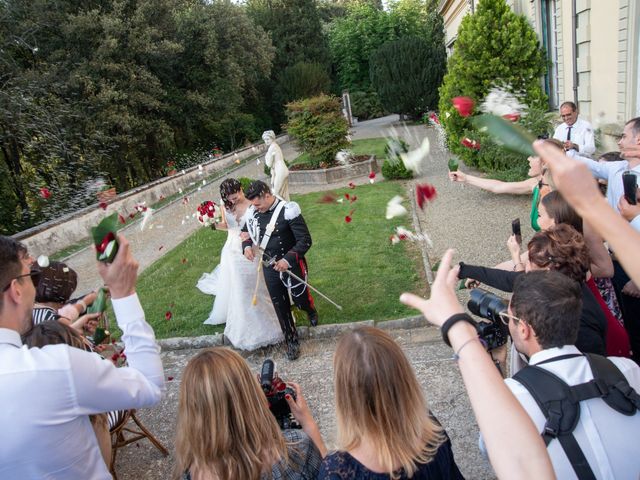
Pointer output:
x,y
486,305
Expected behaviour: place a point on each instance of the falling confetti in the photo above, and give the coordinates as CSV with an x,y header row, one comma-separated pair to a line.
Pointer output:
x,y
464,105
424,193
403,234
43,261
413,160
501,102
395,208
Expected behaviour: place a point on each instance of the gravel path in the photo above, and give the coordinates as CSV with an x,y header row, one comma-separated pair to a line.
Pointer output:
x,y
474,222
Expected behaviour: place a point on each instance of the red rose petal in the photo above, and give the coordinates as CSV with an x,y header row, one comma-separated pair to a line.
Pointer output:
x,y
45,193
352,185
435,118
353,199
372,175
161,247
512,117
473,144
132,215
168,315
184,260
424,192
103,205
169,379
464,105
346,195
121,219
347,219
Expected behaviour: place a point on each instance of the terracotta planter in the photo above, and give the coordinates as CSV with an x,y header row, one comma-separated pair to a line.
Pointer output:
x,y
107,195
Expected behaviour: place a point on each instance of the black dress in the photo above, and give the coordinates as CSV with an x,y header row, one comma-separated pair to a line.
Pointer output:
x,y
342,466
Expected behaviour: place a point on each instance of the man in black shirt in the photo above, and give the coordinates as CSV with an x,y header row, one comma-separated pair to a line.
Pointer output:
x,y
281,233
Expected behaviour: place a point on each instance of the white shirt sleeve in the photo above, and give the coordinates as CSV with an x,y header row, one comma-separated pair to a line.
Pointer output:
x,y
100,386
598,169
588,145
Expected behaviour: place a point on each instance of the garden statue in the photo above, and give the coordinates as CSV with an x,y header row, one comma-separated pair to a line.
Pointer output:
x,y
275,161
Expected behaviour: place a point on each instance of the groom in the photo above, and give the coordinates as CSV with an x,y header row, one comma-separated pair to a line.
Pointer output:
x,y
278,228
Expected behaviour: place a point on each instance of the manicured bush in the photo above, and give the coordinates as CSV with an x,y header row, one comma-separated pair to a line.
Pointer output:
x,y
495,48
319,128
303,80
393,168
406,73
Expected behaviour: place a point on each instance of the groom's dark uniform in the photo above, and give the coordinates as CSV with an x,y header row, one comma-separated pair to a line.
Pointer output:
x,y
290,240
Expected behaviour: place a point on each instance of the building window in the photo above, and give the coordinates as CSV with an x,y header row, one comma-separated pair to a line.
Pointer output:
x,y
549,23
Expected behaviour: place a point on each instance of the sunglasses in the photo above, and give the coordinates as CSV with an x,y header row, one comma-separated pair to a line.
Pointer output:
x,y
35,275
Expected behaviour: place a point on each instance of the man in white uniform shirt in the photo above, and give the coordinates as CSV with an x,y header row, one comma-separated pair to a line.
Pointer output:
x,y
47,394
543,319
575,133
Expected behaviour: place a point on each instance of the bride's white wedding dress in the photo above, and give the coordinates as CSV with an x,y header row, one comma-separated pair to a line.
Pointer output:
x,y
233,282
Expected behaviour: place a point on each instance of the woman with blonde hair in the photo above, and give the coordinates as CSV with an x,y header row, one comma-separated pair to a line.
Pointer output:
x,y
385,429
226,430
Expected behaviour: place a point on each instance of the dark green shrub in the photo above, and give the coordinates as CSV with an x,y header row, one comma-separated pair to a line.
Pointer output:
x,y
406,73
393,168
495,47
318,126
303,80
366,105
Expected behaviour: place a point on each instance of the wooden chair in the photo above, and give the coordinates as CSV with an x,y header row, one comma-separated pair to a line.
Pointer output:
x,y
124,432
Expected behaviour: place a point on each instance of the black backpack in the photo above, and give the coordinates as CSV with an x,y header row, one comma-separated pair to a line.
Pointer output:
x,y
560,403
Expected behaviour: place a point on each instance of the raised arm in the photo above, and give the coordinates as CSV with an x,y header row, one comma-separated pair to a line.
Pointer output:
x,y
495,186
494,277
515,447
99,385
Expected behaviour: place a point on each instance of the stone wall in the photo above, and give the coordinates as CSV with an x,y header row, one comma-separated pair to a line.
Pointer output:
x,y
58,234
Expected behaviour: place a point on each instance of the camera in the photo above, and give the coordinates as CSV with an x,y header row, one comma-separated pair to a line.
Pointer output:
x,y
488,306
276,390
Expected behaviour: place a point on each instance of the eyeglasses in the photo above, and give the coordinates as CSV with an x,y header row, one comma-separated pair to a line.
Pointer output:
x,y
35,278
505,317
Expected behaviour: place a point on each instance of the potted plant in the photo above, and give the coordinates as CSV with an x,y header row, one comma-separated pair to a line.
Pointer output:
x,y
107,193
170,169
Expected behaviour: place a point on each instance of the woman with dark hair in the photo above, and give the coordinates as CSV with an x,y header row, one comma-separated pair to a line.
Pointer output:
x,y
242,300
226,431
559,248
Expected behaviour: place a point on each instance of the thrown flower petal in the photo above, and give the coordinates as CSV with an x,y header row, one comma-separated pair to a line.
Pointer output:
x,y
45,192
425,192
168,315
473,144
352,185
43,261
464,105
395,208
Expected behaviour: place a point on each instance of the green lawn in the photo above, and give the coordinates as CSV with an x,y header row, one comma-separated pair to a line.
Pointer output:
x,y
365,146
353,263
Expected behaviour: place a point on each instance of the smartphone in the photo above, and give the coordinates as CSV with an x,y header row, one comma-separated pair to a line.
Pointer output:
x,y
630,183
515,229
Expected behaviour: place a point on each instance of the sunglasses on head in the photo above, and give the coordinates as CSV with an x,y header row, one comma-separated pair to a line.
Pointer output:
x,y
35,278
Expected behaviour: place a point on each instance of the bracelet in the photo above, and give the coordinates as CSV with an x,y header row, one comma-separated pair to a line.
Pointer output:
x,y
451,321
456,355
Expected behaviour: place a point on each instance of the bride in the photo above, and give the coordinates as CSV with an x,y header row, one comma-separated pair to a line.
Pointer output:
x,y
249,324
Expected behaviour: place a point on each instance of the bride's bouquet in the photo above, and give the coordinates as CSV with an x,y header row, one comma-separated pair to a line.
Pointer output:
x,y
206,214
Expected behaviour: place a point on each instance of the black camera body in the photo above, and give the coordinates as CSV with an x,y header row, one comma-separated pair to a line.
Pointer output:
x,y
488,306
276,390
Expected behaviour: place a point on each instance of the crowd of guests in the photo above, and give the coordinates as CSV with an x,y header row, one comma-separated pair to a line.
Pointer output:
x,y
564,318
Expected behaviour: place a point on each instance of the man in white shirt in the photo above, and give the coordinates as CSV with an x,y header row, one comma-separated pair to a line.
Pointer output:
x,y
627,291
543,319
46,394
575,133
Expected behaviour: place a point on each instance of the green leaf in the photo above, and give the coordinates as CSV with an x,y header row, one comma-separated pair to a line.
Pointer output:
x,y
505,133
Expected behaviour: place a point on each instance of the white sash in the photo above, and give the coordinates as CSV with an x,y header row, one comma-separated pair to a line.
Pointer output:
x,y
271,226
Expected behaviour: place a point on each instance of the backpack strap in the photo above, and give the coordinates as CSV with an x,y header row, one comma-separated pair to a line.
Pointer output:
x,y
616,391
560,406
